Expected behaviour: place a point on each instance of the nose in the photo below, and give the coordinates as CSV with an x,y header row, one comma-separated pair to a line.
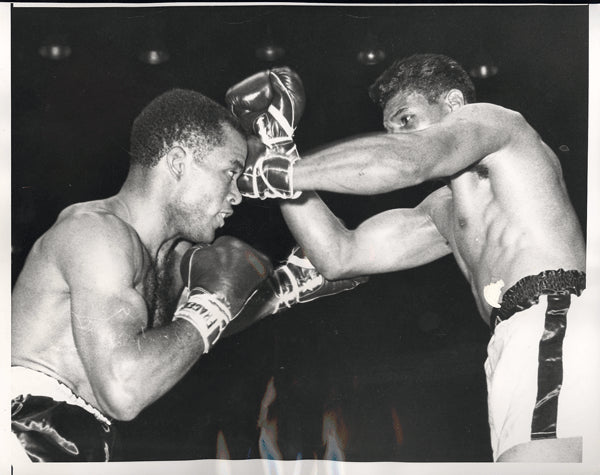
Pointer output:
x,y
235,197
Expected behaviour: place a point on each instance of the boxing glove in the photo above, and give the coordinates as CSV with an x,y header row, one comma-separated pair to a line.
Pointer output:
x,y
219,279
269,104
295,281
267,174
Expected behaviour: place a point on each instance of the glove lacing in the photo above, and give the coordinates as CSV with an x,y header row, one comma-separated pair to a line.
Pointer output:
x,y
293,296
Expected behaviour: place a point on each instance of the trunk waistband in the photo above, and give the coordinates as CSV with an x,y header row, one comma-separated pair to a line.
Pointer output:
x,y
526,292
25,381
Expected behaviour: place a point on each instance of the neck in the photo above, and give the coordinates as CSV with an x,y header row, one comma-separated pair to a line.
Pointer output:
x,y
145,210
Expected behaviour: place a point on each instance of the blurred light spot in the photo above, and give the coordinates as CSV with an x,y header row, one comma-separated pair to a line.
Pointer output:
x,y
269,52
222,449
564,148
371,57
484,71
55,48
267,444
334,436
398,432
371,51
154,56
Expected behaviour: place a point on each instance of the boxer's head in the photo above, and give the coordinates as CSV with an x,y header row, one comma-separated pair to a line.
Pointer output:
x,y
193,150
417,91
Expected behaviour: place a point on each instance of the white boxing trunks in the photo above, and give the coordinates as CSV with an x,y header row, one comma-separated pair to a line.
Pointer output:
x,y
536,367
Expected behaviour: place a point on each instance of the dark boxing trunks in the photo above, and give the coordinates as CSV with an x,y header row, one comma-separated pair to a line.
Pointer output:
x,y
55,431
558,285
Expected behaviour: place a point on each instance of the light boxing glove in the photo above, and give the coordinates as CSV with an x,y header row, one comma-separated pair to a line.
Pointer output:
x,y
269,105
295,281
267,174
219,279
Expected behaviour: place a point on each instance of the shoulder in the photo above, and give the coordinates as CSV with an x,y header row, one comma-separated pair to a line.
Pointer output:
x,y
82,221
485,128
89,233
489,114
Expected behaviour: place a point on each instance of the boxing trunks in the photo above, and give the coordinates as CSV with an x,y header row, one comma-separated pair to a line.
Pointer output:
x,y
54,425
534,367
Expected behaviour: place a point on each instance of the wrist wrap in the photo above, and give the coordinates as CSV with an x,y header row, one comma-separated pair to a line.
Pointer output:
x,y
209,314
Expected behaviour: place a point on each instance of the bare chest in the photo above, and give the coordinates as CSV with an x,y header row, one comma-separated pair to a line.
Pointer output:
x,y
471,197
470,215
157,287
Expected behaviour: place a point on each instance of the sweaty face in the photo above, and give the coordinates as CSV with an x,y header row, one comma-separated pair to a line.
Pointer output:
x,y
208,189
411,112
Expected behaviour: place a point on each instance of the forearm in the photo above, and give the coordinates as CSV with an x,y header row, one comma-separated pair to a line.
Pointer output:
x,y
146,365
364,165
318,231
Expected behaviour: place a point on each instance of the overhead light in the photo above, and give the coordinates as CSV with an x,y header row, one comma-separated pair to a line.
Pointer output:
x,y
55,47
483,65
269,52
371,52
371,56
154,52
484,71
269,49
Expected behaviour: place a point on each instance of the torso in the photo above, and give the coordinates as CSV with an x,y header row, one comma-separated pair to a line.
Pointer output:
x,y
509,216
42,336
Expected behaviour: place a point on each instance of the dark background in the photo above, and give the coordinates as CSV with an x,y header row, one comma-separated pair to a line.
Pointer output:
x,y
400,359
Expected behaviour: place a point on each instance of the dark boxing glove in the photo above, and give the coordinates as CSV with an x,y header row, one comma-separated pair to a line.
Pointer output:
x,y
219,279
269,104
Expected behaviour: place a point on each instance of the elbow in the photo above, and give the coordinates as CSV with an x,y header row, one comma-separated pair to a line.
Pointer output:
x,y
119,398
119,404
332,272
329,267
335,268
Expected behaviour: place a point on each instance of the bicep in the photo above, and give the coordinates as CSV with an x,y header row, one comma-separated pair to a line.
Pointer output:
x,y
107,312
103,323
395,240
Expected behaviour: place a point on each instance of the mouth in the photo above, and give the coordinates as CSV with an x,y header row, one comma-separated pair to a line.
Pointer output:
x,y
223,215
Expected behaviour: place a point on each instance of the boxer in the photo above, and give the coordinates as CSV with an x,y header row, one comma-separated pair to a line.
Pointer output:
x,y
98,333
503,211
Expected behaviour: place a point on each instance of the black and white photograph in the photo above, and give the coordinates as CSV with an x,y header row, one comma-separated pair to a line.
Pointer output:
x,y
298,236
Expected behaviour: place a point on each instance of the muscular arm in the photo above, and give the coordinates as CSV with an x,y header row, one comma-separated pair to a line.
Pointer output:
x,y
128,365
383,162
390,241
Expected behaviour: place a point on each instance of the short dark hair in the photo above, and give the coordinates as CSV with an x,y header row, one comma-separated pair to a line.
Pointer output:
x,y
428,74
178,116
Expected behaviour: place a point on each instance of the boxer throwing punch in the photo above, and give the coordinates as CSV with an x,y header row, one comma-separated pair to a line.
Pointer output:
x,y
503,211
97,330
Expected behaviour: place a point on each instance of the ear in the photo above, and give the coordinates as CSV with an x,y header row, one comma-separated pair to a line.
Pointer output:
x,y
455,99
175,161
